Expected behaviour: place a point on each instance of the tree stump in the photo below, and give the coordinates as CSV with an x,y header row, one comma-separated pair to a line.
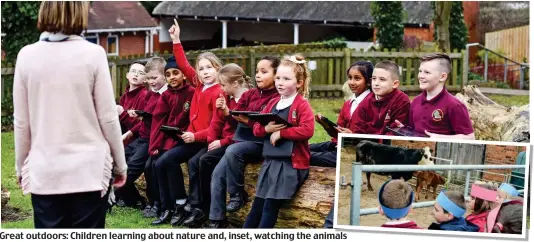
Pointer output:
x,y
493,121
308,209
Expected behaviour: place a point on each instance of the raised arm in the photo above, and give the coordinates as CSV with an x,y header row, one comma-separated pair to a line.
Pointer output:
x,y
181,59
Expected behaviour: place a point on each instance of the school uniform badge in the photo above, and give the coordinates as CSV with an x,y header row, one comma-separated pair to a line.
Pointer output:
x,y
387,118
437,115
294,114
187,105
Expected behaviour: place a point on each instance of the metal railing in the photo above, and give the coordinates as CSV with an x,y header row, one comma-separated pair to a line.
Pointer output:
x,y
358,168
522,66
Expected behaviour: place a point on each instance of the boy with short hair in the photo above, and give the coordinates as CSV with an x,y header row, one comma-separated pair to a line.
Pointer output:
x,y
449,210
436,112
154,70
385,105
396,198
133,98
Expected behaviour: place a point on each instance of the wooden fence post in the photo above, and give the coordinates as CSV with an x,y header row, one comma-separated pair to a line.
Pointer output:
x,y
114,78
252,56
465,69
346,55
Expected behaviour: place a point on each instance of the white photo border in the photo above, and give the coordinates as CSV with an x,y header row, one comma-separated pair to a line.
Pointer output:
x,y
356,228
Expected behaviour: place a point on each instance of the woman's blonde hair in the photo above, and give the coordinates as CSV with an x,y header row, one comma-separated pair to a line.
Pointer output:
x,y
67,17
232,73
298,63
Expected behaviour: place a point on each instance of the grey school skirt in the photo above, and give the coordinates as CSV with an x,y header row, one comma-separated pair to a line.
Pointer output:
x,y
279,180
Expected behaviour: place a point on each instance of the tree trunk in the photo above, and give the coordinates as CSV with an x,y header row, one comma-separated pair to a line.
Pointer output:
x,y
493,121
441,20
308,209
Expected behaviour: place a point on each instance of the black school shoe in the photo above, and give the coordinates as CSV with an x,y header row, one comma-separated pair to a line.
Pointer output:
x,y
164,218
179,215
195,219
237,201
151,212
218,224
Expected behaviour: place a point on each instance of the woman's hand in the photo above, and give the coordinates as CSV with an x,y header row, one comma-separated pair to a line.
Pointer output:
x,y
188,137
119,180
214,145
272,127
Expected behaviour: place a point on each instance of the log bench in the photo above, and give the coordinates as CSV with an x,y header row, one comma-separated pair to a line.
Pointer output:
x,y
308,209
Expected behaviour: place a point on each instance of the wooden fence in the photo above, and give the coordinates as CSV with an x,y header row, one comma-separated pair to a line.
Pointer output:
x,y
327,79
514,42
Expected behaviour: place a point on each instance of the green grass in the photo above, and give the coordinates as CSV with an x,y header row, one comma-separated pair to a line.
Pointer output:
x,y
130,218
509,100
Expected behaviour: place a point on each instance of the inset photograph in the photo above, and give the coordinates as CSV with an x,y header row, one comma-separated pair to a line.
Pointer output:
x,y
403,184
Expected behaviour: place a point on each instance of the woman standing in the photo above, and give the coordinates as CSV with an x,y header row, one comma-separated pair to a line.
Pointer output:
x,y
67,134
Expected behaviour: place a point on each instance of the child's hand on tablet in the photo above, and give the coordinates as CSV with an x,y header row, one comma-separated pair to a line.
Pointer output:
x,y
343,130
242,119
188,137
272,127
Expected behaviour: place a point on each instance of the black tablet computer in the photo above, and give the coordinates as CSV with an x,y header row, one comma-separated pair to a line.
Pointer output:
x,y
246,113
143,113
266,118
406,131
171,130
329,126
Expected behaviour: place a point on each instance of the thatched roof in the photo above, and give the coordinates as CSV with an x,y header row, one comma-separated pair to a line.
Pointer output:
x,y
357,13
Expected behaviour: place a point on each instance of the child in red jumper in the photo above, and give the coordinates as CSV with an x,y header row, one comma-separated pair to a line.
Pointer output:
x,y
387,104
286,150
395,198
172,110
137,162
483,197
436,112
234,83
229,174
203,106
133,98
359,79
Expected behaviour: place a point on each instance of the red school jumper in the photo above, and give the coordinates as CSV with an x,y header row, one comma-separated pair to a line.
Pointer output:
x,y
303,121
144,128
479,220
131,100
223,127
172,110
372,116
203,103
407,225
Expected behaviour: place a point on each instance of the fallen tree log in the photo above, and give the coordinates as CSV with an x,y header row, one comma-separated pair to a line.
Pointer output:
x,y
493,121
308,209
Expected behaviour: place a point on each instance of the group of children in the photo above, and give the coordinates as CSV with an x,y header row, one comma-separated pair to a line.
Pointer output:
x,y
494,210
216,143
